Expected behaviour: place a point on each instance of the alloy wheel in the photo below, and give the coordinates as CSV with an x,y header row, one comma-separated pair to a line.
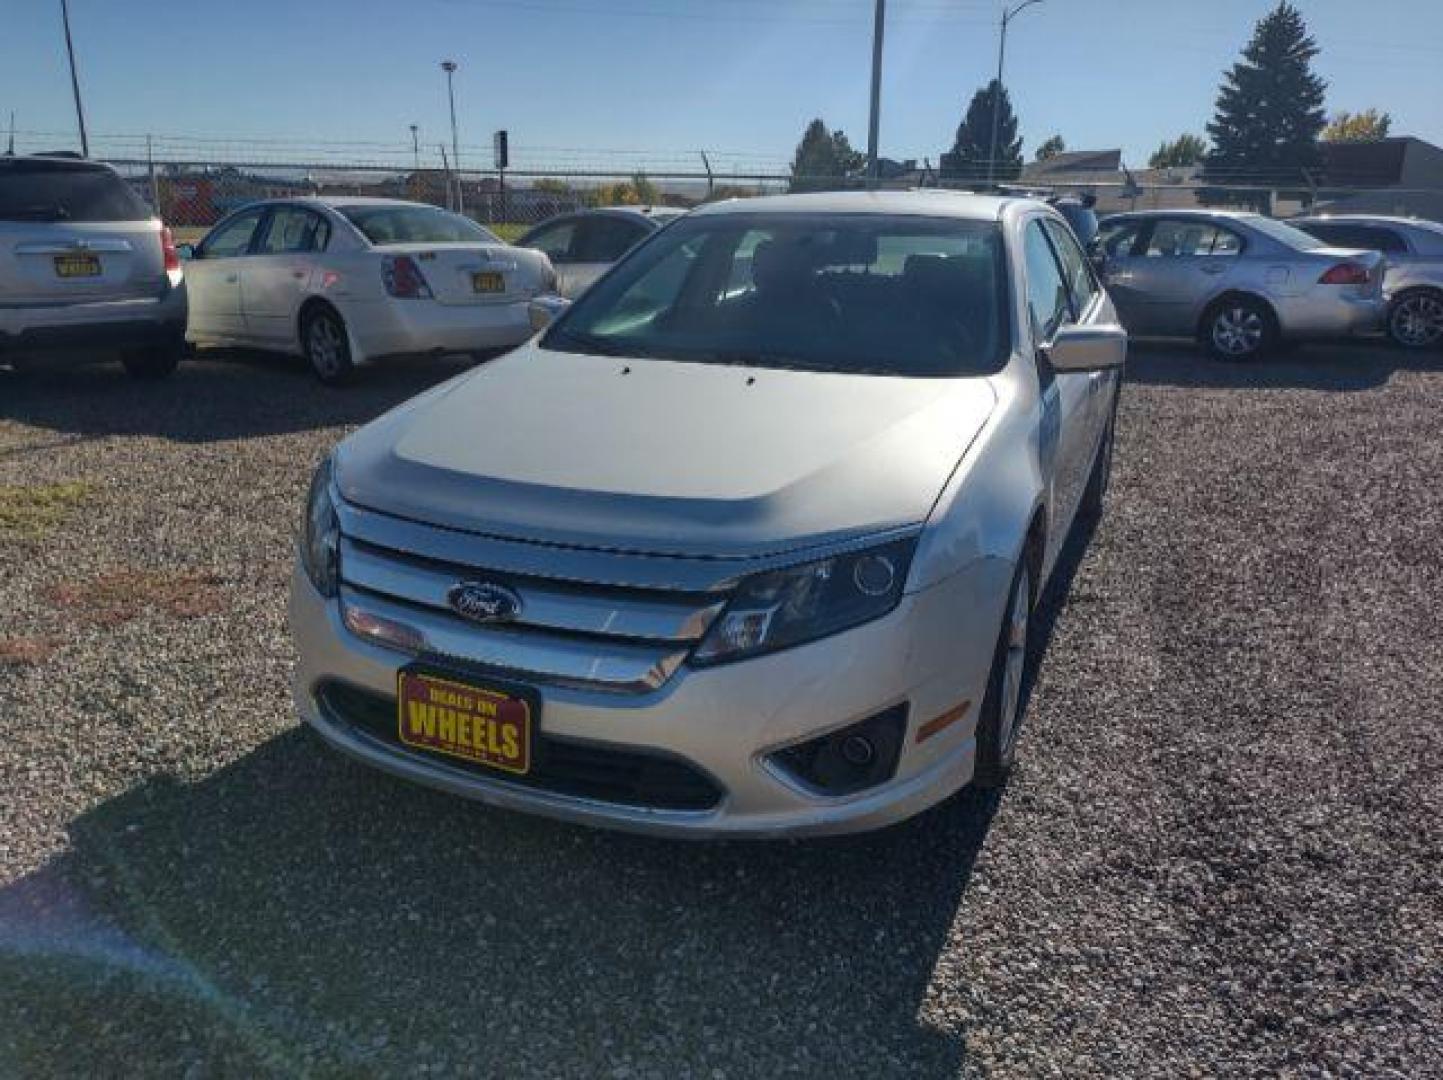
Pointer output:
x,y
1238,331
1417,321
1019,613
324,346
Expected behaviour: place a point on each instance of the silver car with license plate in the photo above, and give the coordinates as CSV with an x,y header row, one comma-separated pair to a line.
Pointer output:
x,y
1413,284
747,543
349,281
86,269
1239,283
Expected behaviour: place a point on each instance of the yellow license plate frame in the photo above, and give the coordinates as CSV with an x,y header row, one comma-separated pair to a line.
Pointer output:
x,y
484,725
488,281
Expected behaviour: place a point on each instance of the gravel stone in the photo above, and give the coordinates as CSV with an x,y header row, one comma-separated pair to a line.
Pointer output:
x,y
1221,854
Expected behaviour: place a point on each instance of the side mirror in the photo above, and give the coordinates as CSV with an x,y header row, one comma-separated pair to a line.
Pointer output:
x,y
185,251
545,310
1087,348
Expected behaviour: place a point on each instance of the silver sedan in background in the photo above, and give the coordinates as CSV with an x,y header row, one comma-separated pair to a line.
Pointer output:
x,y
1413,284
584,245
1239,283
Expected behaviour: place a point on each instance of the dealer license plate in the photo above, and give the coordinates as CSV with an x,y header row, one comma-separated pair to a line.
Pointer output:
x,y
481,725
68,266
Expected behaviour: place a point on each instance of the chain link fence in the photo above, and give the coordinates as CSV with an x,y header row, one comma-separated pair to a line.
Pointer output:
x,y
194,182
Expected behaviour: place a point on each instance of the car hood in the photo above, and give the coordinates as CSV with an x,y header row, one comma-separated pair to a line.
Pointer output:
x,y
665,457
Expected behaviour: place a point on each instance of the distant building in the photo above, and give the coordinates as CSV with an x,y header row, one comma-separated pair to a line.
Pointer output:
x,y
1400,175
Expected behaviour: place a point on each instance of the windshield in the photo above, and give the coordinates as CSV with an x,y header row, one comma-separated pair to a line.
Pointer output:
x,y
390,224
860,293
63,191
1285,234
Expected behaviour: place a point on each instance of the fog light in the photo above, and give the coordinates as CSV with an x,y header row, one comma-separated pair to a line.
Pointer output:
x,y
853,759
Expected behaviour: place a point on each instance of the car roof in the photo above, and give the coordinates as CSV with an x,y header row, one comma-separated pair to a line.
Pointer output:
x,y
654,213
1370,219
930,202
60,159
1192,211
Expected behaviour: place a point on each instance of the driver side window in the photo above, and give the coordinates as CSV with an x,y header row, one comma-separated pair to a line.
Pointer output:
x,y
555,242
234,237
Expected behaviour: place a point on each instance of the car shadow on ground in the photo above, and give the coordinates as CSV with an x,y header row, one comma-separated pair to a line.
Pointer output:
x,y
1333,366
296,912
222,394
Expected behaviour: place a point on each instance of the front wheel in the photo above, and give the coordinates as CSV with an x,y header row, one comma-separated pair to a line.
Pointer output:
x,y
1002,709
1238,330
1415,319
327,345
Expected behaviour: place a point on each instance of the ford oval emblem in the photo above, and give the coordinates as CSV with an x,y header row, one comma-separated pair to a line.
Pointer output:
x,y
484,601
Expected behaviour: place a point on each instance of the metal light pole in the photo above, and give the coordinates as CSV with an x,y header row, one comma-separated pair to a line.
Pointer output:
x,y
1007,17
74,80
416,147
878,24
449,67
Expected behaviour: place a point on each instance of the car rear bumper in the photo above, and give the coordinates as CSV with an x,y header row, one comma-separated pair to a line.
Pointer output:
x,y
116,324
420,327
1333,316
725,723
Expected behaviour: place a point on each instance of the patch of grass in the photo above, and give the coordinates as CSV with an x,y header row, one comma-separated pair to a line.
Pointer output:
x,y
34,510
26,651
122,595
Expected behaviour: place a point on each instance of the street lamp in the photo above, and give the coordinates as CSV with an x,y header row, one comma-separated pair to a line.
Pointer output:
x,y
449,67
878,24
1007,17
416,147
74,79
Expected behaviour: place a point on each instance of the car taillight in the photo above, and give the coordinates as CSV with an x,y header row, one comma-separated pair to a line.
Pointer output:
x,y
1345,273
167,249
403,278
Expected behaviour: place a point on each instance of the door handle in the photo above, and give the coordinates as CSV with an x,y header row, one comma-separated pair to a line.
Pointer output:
x,y
231,279
1212,268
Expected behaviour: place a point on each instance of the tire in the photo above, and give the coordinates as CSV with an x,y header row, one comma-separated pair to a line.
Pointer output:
x,y
155,362
1238,329
326,345
1415,319
1011,664
1100,479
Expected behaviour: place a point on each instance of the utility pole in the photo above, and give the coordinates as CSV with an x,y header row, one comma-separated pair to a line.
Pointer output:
x,y
415,148
11,151
1007,17
878,24
449,67
74,80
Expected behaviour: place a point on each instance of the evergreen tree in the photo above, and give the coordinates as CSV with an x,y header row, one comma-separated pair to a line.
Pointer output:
x,y
824,159
967,160
1269,111
1178,153
1050,148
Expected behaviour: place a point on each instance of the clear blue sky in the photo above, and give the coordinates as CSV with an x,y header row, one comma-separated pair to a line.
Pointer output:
x,y
670,76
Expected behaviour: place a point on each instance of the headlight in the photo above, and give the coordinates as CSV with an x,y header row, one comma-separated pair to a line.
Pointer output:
x,y
321,533
779,608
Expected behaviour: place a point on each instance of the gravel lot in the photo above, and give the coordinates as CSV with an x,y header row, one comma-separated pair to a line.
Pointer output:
x,y
1220,855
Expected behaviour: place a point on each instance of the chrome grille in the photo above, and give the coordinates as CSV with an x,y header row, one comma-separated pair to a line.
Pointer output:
x,y
567,632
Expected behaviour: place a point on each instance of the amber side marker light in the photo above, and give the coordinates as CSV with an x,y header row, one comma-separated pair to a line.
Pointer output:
x,y
947,719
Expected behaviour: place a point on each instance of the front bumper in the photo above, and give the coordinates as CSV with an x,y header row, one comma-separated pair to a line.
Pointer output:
x,y
931,653
425,327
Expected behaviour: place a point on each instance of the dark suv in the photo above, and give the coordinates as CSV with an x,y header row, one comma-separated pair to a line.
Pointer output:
x,y
85,265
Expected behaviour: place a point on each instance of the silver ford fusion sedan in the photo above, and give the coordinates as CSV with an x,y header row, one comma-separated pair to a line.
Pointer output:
x,y
745,544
